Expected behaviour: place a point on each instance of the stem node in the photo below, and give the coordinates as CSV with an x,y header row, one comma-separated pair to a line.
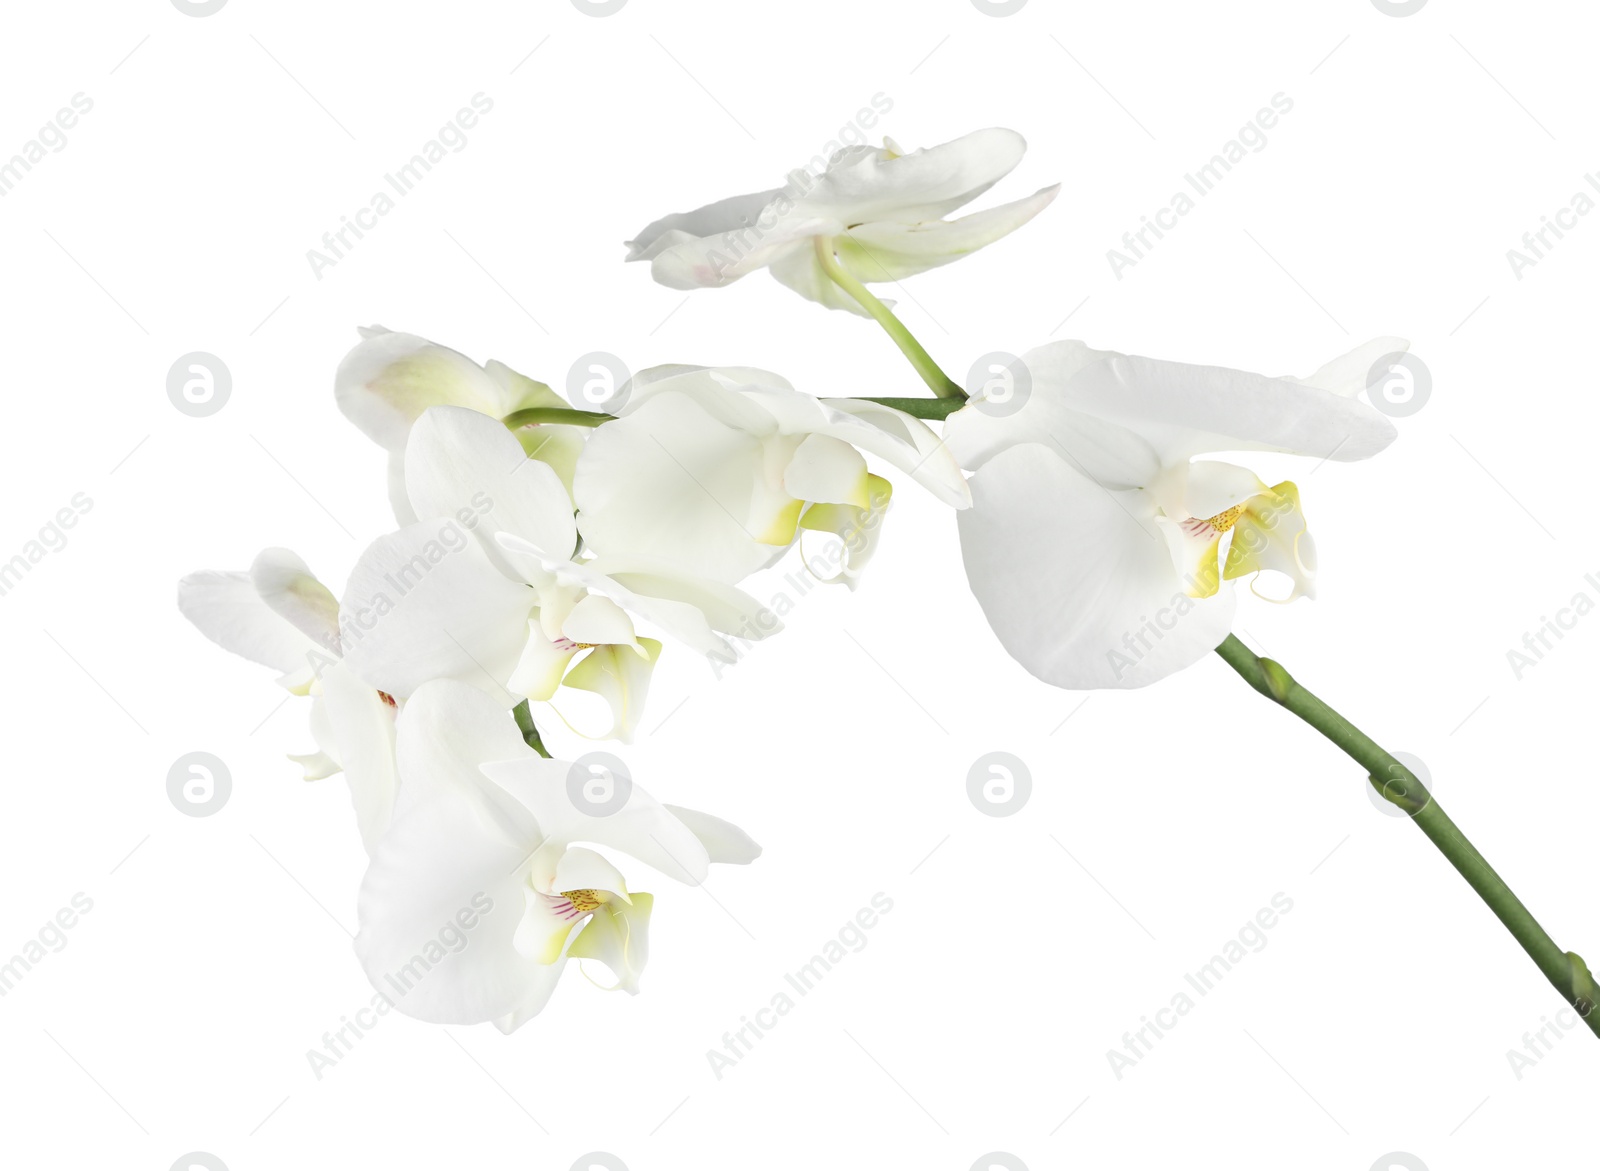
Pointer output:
x,y
1566,972
1278,680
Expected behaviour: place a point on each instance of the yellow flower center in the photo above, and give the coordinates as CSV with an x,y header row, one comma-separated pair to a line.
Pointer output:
x,y
586,900
1226,519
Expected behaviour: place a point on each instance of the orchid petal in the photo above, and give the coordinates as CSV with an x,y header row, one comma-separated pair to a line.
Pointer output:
x,y
446,893
858,530
827,471
1211,486
1347,375
668,482
618,935
538,672
724,841
389,379
1083,593
726,215
287,586
687,262
597,620
865,183
227,609
801,271
425,603
462,463
1185,410
619,674
642,827
904,441
1271,535
363,729
888,250
1111,454
660,593
582,869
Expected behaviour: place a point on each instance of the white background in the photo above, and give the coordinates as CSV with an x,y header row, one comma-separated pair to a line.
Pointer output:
x,y
977,1018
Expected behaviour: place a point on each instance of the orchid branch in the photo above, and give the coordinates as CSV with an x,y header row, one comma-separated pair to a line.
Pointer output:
x,y
1398,785
568,415
938,381
922,408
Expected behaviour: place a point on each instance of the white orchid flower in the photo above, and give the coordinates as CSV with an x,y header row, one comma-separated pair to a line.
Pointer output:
x,y
880,210
389,379
479,893
1095,540
484,588
279,615
717,470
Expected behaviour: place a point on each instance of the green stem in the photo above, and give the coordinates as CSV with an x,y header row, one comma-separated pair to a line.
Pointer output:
x,y
923,408
1398,785
530,734
569,415
938,381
